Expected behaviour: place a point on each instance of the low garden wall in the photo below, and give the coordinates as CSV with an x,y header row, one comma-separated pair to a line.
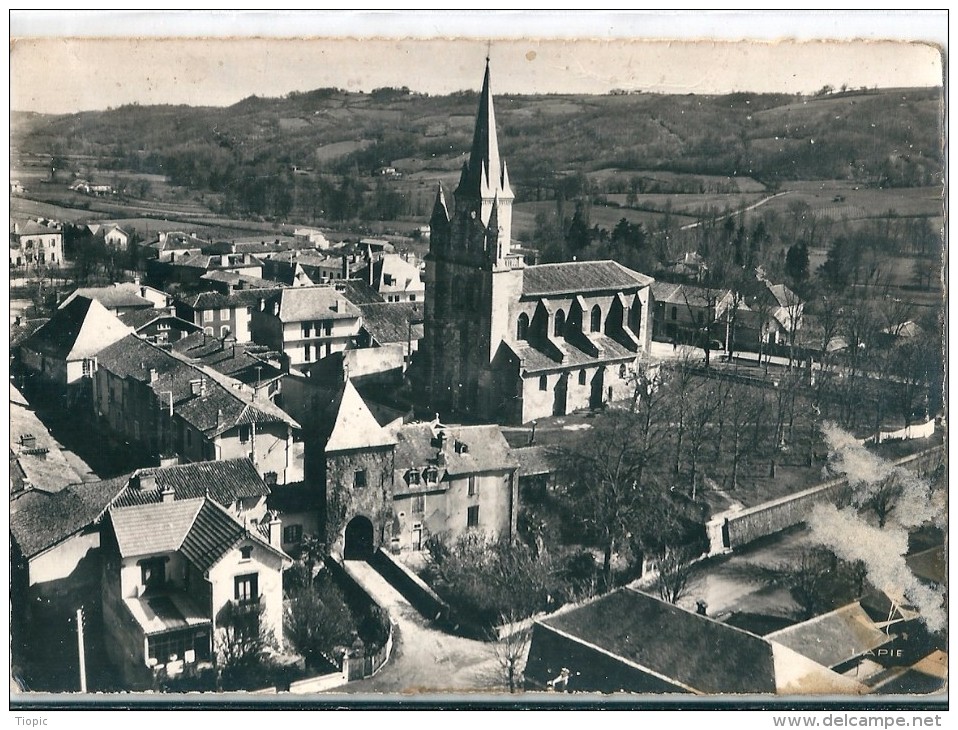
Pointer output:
x,y
423,598
733,529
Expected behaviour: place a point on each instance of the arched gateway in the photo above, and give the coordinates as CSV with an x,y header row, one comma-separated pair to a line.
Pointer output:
x,y
358,542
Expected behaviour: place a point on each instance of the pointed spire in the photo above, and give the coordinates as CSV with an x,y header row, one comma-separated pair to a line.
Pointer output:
x,y
440,212
484,155
505,179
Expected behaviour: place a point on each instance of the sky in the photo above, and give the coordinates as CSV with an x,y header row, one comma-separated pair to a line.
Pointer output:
x,y
71,61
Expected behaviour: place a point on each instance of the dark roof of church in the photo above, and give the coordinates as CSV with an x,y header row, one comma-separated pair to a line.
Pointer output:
x,y
579,277
534,360
692,650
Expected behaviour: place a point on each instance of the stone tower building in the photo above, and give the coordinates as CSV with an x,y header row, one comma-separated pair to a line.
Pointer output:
x,y
507,342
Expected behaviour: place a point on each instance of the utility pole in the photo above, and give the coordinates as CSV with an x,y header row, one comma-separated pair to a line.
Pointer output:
x,y
81,649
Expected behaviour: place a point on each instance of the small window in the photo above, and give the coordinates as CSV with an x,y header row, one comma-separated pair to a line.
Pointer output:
x,y
622,371
246,588
418,504
431,476
359,479
559,324
208,331
224,332
153,573
207,315
306,329
307,352
412,297
675,313
328,328
246,552
582,377
473,486
293,534
244,434
543,382
224,314
412,477
472,516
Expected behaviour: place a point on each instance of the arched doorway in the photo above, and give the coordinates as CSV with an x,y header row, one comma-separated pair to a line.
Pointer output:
x,y
358,542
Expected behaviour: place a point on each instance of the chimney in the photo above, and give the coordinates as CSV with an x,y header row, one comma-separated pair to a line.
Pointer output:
x,y
275,531
219,418
145,480
168,495
28,441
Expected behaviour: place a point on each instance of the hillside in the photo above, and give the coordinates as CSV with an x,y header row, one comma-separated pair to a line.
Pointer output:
x,y
858,136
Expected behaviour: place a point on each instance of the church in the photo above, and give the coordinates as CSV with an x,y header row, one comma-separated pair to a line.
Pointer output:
x,y
507,342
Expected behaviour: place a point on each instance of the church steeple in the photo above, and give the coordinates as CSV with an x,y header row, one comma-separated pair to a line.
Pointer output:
x,y
484,177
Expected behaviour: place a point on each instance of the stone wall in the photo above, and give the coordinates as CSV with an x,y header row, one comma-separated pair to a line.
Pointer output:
x,y
344,500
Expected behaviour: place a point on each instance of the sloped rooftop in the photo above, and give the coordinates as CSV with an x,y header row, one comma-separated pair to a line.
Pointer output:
x,y
580,277
223,481
396,322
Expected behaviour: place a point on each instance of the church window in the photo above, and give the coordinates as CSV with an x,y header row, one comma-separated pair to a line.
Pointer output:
x,y
522,327
596,323
675,313
559,323
582,377
543,382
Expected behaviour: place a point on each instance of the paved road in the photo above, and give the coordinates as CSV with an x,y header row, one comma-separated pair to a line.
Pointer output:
x,y
424,659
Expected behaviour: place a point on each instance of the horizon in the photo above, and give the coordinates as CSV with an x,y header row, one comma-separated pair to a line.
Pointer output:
x,y
65,76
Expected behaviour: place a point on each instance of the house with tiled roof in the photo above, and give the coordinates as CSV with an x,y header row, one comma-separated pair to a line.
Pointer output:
x,y
629,641
253,365
509,342
174,245
122,297
160,326
62,354
37,462
223,314
165,404
177,574
306,323
35,245
189,267
449,480
54,540
395,278
689,314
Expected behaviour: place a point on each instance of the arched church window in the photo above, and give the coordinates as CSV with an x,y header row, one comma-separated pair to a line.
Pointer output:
x,y
559,324
522,327
595,325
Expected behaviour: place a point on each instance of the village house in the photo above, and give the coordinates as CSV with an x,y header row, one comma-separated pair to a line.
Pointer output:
x,y
449,480
509,342
166,405
222,315
34,245
690,314
189,268
226,282
321,268
395,278
61,356
286,272
159,326
253,365
177,575
174,245
110,233
122,297
628,641
306,323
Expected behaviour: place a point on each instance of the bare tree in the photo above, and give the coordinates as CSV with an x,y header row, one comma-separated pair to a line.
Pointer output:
x,y
512,650
675,571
